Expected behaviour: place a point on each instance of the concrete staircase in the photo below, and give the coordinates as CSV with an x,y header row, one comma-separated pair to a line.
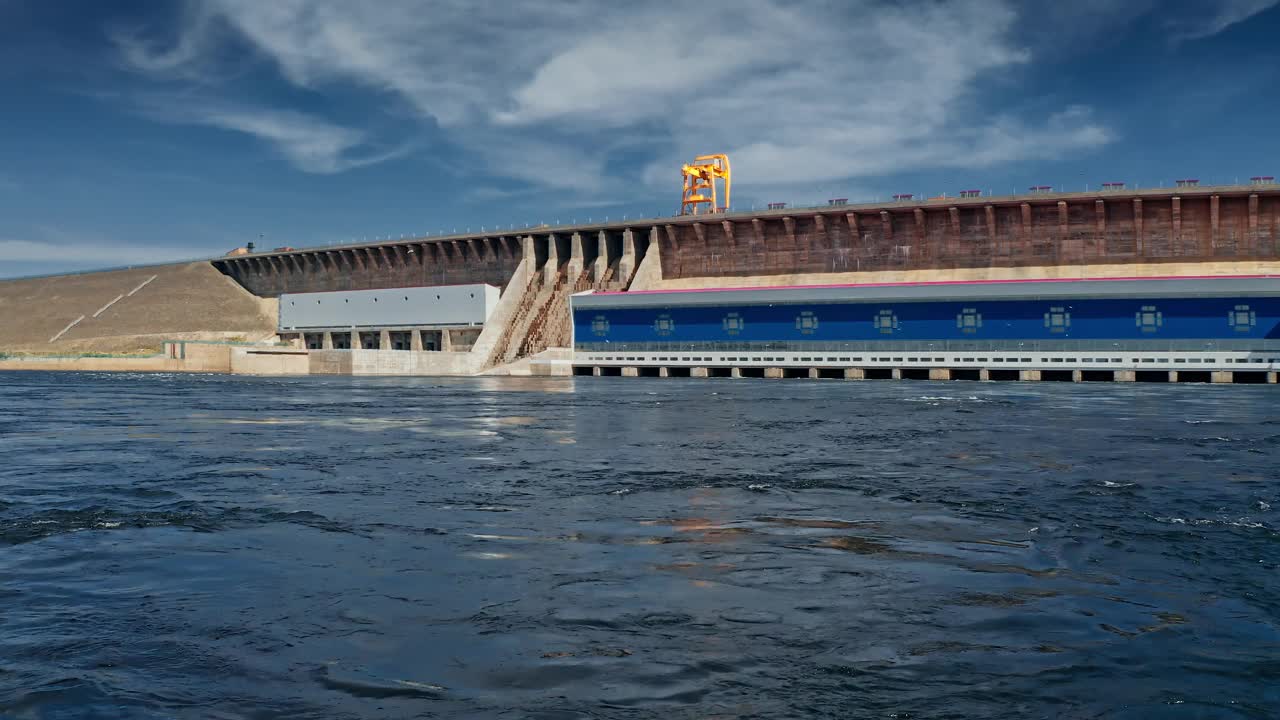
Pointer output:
x,y
504,350
553,327
542,319
544,329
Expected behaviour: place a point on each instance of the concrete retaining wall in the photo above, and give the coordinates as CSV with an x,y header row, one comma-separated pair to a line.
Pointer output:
x,y
393,362
151,363
552,362
179,357
248,361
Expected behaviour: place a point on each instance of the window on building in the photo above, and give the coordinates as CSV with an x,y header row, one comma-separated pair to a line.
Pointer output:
x,y
733,323
807,322
664,325
969,320
1058,320
1148,319
885,321
1242,318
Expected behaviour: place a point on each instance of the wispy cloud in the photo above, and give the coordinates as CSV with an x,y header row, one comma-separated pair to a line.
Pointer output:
x,y
180,57
543,92
1223,14
49,249
309,143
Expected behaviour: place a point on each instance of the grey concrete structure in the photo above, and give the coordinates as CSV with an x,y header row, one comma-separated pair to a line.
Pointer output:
x,y
446,305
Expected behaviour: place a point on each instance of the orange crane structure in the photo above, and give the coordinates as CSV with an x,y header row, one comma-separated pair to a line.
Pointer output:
x,y
700,178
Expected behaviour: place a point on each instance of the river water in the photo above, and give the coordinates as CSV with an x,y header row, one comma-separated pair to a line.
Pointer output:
x,y
213,547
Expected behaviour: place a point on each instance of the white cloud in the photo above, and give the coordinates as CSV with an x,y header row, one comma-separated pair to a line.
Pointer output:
x,y
181,58
310,144
93,253
544,91
1225,14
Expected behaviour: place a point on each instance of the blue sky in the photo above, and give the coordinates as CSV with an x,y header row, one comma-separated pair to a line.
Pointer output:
x,y
150,130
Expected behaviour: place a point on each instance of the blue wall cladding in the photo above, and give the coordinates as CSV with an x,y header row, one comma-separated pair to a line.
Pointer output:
x,y
1102,319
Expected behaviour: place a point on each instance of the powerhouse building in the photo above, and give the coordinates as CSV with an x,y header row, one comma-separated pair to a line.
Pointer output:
x,y
1115,324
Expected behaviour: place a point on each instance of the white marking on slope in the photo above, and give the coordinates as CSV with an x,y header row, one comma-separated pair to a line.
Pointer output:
x,y
144,284
104,307
65,329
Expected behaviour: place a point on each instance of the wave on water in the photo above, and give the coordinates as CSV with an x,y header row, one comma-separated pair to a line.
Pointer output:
x,y
190,515
360,682
1242,522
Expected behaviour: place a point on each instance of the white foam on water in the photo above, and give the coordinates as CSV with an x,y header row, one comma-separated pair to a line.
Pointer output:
x,y
1243,522
484,536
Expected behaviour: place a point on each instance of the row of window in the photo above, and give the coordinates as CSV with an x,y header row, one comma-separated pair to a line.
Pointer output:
x,y
348,300
1057,319
850,359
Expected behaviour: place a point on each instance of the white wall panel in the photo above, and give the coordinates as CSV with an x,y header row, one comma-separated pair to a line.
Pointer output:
x,y
391,307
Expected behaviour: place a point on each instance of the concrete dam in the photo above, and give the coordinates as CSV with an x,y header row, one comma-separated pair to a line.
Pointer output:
x,y
979,292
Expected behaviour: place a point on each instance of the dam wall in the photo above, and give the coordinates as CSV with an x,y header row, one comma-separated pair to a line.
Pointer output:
x,y
1014,232
457,261
1231,229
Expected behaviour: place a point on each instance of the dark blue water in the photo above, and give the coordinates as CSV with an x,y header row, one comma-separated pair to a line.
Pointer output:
x,y
209,547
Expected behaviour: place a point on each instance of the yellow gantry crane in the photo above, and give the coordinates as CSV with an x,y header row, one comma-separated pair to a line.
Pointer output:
x,y
699,179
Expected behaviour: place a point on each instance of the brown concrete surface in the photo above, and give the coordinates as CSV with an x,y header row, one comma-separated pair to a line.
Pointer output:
x,y
191,301
1245,267
951,236
1201,224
